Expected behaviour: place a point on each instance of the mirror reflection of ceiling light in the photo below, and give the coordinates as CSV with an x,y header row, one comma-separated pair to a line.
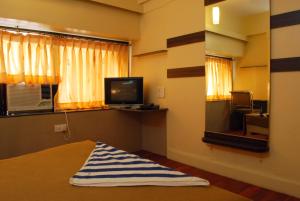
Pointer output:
x,y
216,15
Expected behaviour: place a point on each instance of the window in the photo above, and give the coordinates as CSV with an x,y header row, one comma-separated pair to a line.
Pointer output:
x,y
218,78
83,67
31,63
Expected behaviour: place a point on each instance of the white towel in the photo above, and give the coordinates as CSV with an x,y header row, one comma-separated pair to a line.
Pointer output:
x,y
108,166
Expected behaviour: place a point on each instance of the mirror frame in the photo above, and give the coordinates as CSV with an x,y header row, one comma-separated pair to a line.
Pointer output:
x,y
218,138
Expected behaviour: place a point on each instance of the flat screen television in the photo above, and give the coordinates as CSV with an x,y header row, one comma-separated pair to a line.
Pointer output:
x,y
124,91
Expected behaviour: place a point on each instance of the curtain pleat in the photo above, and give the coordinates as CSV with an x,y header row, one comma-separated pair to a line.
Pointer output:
x,y
27,58
218,74
86,64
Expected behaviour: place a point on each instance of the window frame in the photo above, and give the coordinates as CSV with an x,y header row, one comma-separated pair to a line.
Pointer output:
x,y
3,89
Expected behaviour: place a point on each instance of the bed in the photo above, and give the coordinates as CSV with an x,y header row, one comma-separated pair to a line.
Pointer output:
x,y
44,176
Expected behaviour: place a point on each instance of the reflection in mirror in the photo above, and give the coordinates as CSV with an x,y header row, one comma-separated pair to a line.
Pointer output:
x,y
238,70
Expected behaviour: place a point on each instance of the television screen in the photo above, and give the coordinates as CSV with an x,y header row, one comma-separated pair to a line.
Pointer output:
x,y
124,90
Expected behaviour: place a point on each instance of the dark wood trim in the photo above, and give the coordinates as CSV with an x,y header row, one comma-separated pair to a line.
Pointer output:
x,y
285,64
227,36
150,53
186,39
53,113
54,89
285,19
209,2
221,57
3,102
196,71
250,144
164,110
255,66
64,34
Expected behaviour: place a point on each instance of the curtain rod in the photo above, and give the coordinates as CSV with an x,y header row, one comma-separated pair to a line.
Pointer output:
x,y
221,57
62,34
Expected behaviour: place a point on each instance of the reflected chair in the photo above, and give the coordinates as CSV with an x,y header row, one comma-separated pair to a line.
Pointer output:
x,y
241,103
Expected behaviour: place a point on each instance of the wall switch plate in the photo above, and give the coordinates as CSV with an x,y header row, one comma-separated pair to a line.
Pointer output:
x,y
59,128
160,92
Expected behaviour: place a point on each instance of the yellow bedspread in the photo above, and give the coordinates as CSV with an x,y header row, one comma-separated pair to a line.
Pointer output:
x,y
44,176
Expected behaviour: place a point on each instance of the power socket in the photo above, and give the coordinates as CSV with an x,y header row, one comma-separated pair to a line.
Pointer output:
x,y
60,128
160,93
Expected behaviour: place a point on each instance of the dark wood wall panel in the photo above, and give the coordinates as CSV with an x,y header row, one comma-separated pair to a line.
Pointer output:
x,y
251,144
3,103
285,64
285,19
209,2
186,39
195,71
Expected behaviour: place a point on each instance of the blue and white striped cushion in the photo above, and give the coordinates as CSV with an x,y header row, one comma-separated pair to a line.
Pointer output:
x,y
108,166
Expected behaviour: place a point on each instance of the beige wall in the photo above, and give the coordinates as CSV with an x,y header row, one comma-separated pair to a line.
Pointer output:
x,y
230,23
185,98
254,79
235,25
74,16
223,45
21,135
252,71
154,70
257,24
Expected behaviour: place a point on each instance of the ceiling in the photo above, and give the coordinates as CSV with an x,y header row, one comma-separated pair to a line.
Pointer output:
x,y
238,7
131,5
245,7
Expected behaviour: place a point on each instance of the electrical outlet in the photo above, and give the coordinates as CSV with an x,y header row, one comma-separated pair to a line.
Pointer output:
x,y
160,92
59,128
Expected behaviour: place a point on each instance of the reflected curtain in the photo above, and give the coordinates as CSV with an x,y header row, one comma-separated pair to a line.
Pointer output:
x,y
83,67
218,73
27,58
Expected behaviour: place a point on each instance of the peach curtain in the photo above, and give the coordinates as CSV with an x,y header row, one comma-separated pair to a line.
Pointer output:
x,y
218,73
79,66
83,67
27,58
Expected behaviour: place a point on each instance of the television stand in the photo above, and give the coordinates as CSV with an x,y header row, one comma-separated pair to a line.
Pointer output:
x,y
153,130
141,110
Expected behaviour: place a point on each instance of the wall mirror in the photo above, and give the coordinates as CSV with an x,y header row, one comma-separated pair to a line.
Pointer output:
x,y
237,70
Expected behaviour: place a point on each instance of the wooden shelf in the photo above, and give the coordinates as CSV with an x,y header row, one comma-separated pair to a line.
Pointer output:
x,y
241,142
150,53
142,111
254,66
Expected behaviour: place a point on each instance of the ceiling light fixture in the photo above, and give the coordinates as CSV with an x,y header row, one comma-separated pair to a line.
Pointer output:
x,y
216,15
